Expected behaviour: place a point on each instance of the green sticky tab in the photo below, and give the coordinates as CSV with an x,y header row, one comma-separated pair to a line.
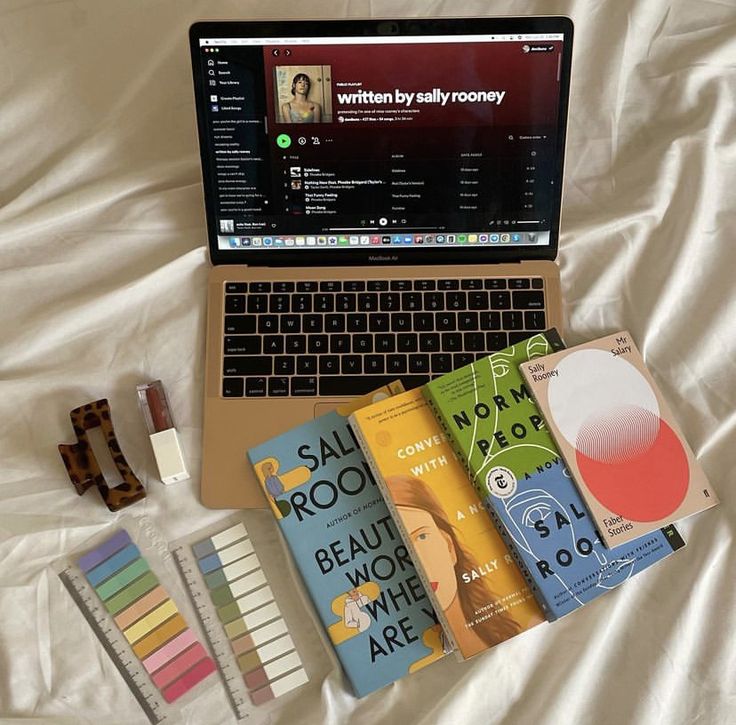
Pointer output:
x,y
229,612
222,596
132,592
122,579
215,579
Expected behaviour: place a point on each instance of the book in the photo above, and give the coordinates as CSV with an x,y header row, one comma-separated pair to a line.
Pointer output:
x,y
349,553
477,590
634,469
489,415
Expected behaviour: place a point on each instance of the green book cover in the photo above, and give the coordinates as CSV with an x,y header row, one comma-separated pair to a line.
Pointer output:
x,y
489,415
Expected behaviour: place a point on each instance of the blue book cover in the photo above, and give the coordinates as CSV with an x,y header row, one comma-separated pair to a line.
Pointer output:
x,y
489,415
351,557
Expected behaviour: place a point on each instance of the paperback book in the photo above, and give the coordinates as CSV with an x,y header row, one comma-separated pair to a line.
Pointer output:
x,y
618,437
487,412
476,588
345,544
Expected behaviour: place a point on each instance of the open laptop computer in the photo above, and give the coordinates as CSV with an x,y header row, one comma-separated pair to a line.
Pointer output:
x,y
383,201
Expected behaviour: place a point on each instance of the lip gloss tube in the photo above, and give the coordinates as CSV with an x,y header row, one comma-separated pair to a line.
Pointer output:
x,y
162,433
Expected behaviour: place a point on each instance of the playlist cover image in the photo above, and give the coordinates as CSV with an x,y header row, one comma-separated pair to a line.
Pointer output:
x,y
303,93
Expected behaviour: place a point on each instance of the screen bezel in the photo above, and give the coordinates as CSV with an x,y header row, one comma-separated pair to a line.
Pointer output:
x,y
376,28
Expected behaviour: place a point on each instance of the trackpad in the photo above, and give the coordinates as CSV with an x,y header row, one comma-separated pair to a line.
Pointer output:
x,y
322,408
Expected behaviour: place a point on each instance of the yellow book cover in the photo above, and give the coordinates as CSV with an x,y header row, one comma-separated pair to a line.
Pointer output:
x,y
476,588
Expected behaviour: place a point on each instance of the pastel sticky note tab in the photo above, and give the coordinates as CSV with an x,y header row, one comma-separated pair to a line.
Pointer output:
x,y
105,551
229,536
159,636
279,687
272,670
116,562
204,548
122,578
188,680
179,665
161,656
244,604
152,620
134,590
141,607
257,637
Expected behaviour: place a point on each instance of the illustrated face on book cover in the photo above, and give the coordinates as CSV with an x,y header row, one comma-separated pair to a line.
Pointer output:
x,y
446,559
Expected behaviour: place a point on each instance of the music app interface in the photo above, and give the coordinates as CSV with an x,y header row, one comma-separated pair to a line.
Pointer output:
x,y
317,142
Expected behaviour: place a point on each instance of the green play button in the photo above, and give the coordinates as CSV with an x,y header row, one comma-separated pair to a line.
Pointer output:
x,y
283,140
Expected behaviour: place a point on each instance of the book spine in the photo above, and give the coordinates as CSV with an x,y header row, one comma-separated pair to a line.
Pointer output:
x,y
368,454
487,502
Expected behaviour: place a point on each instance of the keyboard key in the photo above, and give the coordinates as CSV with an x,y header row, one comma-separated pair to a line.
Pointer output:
x,y
456,301
312,323
379,322
290,323
278,387
345,303
357,323
512,320
423,322
307,286
232,387
260,287
243,345
429,342
448,284
401,322
535,320
418,363
331,286
251,365
400,285
434,301
339,344
451,342
353,285
377,285
279,303
234,304
411,301
329,365
474,341
396,364
445,321
284,365
344,385
324,303
351,365
425,285
240,324
500,300
478,300
385,343
441,363
467,321
301,303
407,342
283,286
306,365
494,283
232,287
389,302
257,303
532,300
304,386
518,283
515,337
490,320
268,324
537,283
317,344
255,387
368,302
295,344
334,323
363,343
460,359
496,341
374,364
273,344
471,284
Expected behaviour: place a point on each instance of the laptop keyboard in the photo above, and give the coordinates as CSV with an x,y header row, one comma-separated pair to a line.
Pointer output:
x,y
349,337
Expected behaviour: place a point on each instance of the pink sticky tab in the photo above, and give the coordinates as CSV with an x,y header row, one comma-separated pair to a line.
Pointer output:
x,y
188,680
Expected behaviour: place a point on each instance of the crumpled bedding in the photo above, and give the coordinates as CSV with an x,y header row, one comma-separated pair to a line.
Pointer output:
x,y
104,264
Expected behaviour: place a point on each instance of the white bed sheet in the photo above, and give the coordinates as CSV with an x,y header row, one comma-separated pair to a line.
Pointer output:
x,y
103,271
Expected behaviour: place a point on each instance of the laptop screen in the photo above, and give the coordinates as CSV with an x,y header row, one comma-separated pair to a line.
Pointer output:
x,y
413,142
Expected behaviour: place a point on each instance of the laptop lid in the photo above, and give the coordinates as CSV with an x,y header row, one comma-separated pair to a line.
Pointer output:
x,y
415,141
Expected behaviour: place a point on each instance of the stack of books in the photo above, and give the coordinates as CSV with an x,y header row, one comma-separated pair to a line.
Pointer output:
x,y
502,495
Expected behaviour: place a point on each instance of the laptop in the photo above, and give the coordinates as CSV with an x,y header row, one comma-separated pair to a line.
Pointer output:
x,y
383,202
